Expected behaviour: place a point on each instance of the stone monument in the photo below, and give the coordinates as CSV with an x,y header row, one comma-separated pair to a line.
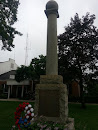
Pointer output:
x,y
51,97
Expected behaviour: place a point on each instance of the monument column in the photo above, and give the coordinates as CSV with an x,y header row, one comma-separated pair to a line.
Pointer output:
x,y
51,97
52,58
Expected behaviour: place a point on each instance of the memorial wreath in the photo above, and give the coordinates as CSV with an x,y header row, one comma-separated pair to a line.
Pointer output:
x,y
23,115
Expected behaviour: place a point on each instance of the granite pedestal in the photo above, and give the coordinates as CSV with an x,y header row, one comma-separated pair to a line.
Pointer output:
x,y
52,99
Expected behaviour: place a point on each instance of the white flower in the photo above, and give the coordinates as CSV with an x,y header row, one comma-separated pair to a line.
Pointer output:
x,y
31,109
27,117
28,111
29,105
25,111
32,114
32,119
26,108
13,126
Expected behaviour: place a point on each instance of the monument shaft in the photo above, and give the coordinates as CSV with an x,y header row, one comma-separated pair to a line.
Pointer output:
x,y
52,59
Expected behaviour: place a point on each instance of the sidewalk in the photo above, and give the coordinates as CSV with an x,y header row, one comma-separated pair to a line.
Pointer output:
x,y
85,103
16,99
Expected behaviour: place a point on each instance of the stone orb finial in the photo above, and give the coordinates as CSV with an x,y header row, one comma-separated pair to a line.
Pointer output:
x,y
51,5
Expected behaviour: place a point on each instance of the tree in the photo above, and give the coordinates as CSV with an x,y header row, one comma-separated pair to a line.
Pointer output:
x,y
23,73
92,87
39,66
78,48
36,68
8,16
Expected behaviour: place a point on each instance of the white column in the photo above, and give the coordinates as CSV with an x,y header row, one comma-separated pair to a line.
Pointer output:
x,y
4,88
8,92
11,89
22,91
17,91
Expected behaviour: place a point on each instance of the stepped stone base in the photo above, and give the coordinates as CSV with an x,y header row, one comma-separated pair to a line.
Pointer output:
x,y
70,124
51,100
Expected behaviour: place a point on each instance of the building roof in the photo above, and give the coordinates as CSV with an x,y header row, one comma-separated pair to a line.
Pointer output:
x,y
7,60
6,75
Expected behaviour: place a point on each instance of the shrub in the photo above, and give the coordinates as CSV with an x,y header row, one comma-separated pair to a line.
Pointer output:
x,y
29,96
73,99
91,99
3,96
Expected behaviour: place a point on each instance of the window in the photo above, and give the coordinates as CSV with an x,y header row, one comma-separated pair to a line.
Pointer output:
x,y
12,76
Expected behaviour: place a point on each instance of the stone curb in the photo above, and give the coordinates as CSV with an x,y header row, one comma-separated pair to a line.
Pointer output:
x,y
17,100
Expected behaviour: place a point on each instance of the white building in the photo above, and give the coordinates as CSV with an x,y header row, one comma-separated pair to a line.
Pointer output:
x,y
8,85
7,66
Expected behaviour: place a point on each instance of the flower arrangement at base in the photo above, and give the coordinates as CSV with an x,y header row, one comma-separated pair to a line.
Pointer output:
x,y
48,125
24,115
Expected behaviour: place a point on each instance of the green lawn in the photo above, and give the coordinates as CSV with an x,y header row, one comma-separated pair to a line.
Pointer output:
x,y
84,119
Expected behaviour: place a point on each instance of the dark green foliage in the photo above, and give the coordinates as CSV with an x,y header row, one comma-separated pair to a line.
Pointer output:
x,y
8,16
92,88
3,96
39,66
36,68
29,96
78,44
91,99
78,48
23,73
92,91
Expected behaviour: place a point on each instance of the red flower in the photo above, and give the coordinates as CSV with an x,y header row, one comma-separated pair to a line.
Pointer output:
x,y
17,121
17,109
19,126
27,103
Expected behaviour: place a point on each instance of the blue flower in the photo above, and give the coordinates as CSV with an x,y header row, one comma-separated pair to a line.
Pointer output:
x,y
27,125
20,119
25,120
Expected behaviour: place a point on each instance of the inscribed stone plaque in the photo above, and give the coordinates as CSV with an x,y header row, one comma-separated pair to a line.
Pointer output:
x,y
49,103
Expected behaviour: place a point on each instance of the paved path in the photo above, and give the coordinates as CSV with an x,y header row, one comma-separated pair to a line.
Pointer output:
x,y
15,99
85,103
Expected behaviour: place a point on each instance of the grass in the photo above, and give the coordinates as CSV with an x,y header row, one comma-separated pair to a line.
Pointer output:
x,y
84,119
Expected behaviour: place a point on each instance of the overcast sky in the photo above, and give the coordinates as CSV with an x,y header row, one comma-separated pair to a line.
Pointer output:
x,y
32,21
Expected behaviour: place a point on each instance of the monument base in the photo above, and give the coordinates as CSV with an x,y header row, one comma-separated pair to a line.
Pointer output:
x,y
51,101
70,124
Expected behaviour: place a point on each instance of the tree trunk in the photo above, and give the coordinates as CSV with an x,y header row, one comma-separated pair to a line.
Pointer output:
x,y
82,98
